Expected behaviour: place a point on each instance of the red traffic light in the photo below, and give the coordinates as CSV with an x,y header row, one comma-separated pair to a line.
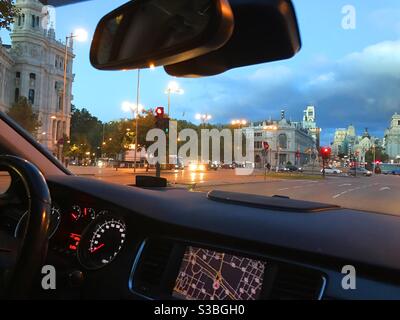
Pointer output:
x,y
326,152
159,112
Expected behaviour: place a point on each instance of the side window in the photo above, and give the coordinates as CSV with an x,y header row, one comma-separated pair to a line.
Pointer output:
x,y
16,95
5,181
31,96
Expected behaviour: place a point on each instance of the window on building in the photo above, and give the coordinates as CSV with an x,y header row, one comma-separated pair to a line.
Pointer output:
x,y
19,20
60,103
258,145
16,94
31,96
18,74
23,18
32,78
258,134
283,141
33,21
398,122
37,21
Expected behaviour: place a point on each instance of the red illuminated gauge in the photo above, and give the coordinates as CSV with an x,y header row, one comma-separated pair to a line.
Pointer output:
x,y
88,213
101,242
76,213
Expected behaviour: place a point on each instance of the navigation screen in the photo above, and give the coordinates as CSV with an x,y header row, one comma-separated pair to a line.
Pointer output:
x,y
209,275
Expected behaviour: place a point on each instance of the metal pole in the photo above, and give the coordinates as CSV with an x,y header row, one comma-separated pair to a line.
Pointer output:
x,y
64,87
137,117
169,100
374,159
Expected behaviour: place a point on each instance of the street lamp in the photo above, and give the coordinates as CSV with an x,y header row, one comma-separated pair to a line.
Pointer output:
x,y
80,35
135,108
239,123
174,88
204,118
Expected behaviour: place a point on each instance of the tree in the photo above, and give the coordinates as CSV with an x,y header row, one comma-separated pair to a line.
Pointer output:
x,y
8,11
23,113
86,133
380,155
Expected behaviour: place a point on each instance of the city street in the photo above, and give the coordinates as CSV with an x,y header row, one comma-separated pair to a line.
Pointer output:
x,y
378,193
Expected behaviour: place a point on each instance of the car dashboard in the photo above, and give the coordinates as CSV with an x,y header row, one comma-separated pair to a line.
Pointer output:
x,y
123,242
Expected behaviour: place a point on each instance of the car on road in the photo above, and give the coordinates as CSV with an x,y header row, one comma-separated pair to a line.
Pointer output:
x,y
197,167
331,171
359,172
292,168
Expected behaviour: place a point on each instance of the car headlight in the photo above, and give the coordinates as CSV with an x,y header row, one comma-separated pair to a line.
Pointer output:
x,y
193,167
202,167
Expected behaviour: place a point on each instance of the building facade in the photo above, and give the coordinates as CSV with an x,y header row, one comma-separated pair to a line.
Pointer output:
x,y
392,138
33,67
348,144
288,141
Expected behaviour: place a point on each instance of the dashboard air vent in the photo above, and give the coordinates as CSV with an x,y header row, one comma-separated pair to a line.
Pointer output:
x,y
151,266
296,283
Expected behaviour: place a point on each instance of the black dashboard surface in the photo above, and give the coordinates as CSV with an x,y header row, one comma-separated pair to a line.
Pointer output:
x,y
347,236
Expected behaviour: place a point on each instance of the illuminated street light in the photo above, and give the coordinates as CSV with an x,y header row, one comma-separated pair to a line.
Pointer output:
x,y
204,118
131,107
174,88
239,123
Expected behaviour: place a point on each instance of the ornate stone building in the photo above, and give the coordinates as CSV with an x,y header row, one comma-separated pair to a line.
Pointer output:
x,y
33,67
288,141
392,138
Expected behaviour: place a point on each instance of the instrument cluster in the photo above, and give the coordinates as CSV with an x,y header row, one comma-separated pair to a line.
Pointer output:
x,y
94,237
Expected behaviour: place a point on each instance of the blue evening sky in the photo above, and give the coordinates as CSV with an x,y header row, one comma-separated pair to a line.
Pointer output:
x,y
352,76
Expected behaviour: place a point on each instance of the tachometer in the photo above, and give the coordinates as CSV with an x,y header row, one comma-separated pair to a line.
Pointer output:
x,y
101,242
55,219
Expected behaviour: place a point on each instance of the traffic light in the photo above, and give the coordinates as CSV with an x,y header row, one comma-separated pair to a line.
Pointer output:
x,y
326,152
159,112
162,122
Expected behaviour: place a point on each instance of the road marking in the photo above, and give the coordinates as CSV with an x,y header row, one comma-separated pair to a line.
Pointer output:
x,y
384,188
345,185
340,194
283,189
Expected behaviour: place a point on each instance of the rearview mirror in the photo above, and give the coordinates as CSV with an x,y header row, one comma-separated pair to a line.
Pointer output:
x,y
265,31
145,33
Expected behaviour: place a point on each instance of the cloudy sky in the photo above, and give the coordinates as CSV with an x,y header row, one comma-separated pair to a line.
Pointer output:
x,y
351,76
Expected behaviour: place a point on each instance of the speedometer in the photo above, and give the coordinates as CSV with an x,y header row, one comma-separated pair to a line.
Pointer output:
x,y
101,242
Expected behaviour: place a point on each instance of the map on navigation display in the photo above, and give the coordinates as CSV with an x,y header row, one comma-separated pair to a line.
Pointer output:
x,y
210,275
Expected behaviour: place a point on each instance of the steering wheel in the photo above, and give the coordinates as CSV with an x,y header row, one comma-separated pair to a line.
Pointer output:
x,y
21,259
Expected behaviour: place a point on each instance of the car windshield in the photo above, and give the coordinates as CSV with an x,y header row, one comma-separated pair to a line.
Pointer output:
x,y
336,104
